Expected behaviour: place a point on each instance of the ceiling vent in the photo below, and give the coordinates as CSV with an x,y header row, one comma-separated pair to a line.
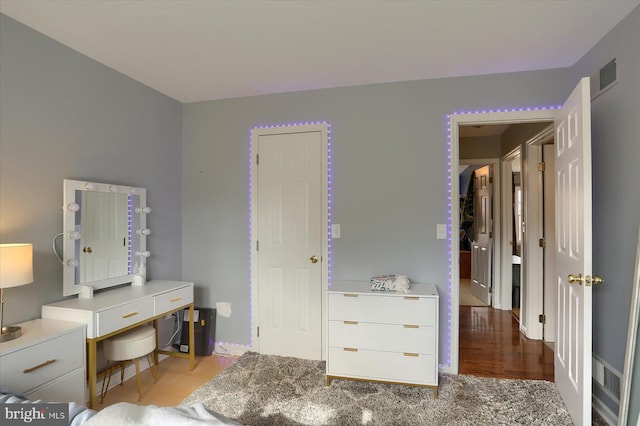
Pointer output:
x,y
604,79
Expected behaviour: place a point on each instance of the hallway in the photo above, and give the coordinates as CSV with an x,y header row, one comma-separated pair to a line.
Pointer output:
x,y
491,345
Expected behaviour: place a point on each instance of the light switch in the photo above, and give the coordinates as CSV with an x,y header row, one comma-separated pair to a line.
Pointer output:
x,y
441,231
335,230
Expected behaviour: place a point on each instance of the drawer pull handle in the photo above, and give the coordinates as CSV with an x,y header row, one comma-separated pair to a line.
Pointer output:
x,y
411,326
44,364
130,315
175,300
411,298
350,295
350,322
351,349
410,354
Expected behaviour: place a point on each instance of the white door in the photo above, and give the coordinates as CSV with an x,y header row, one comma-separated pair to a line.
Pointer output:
x,y
482,247
573,253
289,232
104,243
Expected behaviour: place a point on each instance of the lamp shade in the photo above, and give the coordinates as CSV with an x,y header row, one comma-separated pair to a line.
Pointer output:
x,y
16,265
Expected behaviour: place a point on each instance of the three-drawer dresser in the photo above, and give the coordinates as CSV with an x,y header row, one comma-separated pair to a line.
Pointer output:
x,y
383,336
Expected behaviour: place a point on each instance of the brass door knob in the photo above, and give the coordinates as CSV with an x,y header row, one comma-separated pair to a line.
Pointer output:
x,y
575,279
586,280
313,259
87,250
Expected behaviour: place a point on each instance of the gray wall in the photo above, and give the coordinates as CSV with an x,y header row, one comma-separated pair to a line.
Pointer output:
x,y
615,132
63,115
389,146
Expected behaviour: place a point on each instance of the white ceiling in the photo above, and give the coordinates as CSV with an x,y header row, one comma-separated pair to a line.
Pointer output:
x,y
195,50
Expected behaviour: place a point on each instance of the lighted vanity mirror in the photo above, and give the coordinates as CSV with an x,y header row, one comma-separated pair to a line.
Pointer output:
x,y
104,236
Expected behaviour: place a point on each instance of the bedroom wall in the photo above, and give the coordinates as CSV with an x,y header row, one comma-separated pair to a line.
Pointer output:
x,y
63,115
615,134
390,178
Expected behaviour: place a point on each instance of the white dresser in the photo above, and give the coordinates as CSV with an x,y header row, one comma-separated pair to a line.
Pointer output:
x,y
383,336
115,311
47,362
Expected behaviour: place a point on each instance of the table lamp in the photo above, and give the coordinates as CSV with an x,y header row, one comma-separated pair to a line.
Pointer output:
x,y
16,269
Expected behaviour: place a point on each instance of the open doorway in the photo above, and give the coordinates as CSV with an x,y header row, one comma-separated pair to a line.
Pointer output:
x,y
513,299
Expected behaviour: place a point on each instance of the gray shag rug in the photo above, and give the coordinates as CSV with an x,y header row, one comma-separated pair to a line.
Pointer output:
x,y
272,390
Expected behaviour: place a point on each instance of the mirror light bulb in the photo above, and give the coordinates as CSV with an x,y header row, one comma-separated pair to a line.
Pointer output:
x,y
146,210
73,207
72,263
145,231
90,186
75,235
145,253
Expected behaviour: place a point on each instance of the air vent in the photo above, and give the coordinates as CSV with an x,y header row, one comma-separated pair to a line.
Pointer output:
x,y
604,79
608,75
607,378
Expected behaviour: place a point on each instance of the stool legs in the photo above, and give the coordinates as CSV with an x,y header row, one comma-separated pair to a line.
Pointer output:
x,y
109,371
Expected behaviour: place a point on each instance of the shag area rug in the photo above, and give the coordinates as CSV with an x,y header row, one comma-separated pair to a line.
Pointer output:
x,y
272,390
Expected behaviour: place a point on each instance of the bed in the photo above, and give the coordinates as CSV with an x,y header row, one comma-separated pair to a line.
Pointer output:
x,y
124,413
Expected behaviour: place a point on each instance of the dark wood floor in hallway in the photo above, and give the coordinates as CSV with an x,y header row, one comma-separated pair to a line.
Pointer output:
x,y
491,345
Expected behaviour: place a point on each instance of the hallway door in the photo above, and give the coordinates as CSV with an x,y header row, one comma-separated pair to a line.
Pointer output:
x,y
572,362
482,246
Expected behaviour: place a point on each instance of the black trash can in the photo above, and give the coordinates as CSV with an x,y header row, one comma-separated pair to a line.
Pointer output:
x,y
204,331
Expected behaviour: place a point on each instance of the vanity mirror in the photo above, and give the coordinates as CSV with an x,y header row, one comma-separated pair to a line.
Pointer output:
x,y
104,236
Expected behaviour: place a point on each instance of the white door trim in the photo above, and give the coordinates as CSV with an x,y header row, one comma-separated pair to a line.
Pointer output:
x,y
506,224
324,129
455,120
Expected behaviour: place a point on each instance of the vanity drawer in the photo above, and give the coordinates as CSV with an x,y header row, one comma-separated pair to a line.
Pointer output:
x,y
380,308
174,299
383,337
123,316
35,365
385,366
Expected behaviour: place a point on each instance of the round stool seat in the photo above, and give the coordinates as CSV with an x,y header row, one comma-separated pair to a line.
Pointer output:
x,y
132,344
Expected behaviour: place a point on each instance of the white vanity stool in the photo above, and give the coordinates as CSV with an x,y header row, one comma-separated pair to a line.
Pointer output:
x,y
131,345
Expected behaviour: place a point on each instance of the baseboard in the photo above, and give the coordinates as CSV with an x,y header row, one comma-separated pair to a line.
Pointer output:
x,y
605,412
230,349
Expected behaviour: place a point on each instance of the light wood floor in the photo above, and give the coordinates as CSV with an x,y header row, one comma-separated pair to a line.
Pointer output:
x,y
175,381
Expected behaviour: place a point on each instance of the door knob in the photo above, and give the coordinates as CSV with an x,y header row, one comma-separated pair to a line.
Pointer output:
x,y
313,259
87,250
575,279
587,280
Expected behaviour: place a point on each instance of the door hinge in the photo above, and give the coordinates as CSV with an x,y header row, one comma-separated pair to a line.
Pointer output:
x,y
257,159
258,331
490,234
490,179
542,243
257,245
541,166
542,319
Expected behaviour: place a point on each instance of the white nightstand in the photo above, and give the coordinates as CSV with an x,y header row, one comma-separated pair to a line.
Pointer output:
x,y
47,362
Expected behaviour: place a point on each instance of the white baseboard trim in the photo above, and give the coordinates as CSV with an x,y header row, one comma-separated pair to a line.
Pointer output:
x,y
601,408
225,349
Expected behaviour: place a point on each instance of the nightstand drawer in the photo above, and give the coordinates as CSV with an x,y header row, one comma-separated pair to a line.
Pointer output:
x,y
171,300
31,367
383,337
122,316
381,308
66,389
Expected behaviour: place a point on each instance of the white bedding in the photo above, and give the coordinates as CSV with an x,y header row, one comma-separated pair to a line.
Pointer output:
x,y
125,414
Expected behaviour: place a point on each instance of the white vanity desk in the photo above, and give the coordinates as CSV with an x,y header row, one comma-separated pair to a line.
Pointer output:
x,y
115,311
